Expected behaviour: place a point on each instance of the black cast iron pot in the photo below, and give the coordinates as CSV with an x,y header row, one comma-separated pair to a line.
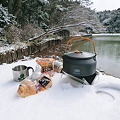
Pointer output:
x,y
79,63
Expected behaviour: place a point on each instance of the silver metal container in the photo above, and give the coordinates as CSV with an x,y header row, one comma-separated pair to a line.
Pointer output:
x,y
20,72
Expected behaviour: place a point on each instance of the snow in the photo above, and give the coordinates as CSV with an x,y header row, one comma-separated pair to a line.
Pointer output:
x,y
61,8
62,101
117,34
9,47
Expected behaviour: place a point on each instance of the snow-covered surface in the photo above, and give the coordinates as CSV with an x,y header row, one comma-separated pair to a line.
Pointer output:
x,y
17,45
12,47
100,101
106,34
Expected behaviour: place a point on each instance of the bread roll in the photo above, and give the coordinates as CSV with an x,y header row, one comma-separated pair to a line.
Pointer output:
x,y
26,88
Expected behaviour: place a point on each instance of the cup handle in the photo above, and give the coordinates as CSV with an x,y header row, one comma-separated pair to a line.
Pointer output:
x,y
30,68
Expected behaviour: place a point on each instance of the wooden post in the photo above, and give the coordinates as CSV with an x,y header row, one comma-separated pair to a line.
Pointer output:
x,y
1,58
29,50
35,48
32,48
25,51
14,55
8,57
39,46
19,53
4,58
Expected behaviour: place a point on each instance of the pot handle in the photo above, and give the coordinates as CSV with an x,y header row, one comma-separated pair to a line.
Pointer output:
x,y
82,38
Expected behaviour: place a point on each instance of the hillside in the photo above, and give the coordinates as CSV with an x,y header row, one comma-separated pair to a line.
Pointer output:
x,y
81,18
110,19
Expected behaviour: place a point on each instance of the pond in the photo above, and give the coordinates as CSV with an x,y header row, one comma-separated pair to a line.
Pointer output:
x,y
107,49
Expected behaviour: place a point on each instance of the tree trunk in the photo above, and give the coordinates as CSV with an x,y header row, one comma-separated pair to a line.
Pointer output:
x,y
16,7
10,6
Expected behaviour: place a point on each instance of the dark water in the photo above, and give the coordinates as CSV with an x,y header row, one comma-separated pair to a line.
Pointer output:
x,y
108,52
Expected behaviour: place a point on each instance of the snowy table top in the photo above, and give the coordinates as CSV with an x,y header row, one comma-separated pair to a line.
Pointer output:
x,y
65,100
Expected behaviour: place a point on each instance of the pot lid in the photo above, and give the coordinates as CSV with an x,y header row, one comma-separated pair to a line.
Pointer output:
x,y
80,55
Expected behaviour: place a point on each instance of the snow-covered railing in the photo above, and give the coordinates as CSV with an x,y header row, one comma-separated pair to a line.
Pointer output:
x,y
14,54
55,29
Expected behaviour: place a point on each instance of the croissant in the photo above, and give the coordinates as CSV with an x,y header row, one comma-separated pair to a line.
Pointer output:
x,y
26,88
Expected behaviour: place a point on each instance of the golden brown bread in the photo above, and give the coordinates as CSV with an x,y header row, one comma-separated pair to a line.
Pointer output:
x,y
26,88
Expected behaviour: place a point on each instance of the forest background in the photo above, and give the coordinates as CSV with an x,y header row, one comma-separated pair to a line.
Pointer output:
x,y
24,19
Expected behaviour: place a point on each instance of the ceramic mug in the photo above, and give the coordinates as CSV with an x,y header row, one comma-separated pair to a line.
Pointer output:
x,y
20,72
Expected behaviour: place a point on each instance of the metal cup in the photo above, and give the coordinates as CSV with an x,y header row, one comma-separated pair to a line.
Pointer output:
x,y
20,72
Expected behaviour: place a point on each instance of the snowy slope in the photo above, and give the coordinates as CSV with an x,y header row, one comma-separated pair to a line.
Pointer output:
x,y
100,101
